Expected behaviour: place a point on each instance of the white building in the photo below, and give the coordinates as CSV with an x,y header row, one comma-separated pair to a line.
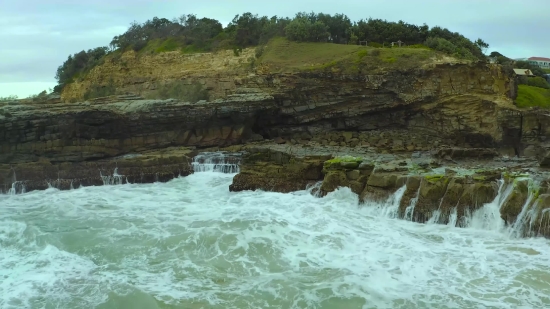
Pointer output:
x,y
541,62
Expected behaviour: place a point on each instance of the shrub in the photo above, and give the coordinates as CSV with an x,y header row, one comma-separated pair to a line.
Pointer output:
x,y
139,45
538,82
168,45
375,53
193,34
237,51
421,46
5,113
259,51
191,49
529,96
43,95
79,63
8,98
302,29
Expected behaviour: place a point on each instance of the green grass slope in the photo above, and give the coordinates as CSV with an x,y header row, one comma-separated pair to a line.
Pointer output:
x,y
529,96
283,55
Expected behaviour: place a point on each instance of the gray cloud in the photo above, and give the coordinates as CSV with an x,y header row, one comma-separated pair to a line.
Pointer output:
x,y
38,35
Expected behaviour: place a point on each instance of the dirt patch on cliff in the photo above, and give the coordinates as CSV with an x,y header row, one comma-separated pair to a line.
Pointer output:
x,y
129,71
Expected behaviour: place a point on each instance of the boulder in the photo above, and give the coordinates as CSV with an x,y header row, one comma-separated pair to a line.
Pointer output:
x,y
271,170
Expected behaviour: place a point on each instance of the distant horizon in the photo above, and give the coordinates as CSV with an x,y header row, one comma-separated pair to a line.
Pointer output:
x,y
38,36
25,89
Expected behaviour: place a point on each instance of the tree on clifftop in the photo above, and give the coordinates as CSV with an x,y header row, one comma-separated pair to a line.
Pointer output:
x,y
189,33
481,45
78,63
304,30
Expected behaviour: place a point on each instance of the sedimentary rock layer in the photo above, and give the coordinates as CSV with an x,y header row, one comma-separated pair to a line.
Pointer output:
x,y
459,105
146,167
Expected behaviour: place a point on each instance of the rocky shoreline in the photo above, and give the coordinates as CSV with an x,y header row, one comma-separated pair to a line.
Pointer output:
x,y
442,189
444,186
448,136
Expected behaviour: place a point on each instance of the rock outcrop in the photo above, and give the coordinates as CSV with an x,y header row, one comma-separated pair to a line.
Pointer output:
x,y
145,167
277,171
393,127
445,195
435,103
462,105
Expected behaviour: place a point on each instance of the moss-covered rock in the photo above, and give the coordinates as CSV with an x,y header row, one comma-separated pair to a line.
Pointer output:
x,y
444,191
413,183
432,190
366,166
333,180
541,224
434,178
514,203
353,174
383,180
475,195
346,162
347,171
451,198
381,184
272,170
487,174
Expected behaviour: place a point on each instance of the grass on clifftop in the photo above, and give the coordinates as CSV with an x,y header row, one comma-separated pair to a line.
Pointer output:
x,y
167,45
283,55
529,96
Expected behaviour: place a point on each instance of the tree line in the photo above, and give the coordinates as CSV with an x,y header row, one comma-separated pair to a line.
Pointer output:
x,y
206,34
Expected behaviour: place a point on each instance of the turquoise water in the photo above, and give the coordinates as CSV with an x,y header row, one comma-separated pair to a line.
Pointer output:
x,y
190,243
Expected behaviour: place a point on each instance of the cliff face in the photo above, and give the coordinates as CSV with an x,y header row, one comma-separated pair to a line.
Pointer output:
x,y
413,109
462,104
146,74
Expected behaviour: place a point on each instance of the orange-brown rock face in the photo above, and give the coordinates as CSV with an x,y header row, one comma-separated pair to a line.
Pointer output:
x,y
466,104
459,104
144,74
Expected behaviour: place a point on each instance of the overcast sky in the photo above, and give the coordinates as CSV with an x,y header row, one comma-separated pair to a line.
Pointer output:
x,y
37,35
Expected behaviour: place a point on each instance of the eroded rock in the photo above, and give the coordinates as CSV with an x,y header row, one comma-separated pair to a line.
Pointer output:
x,y
453,195
270,170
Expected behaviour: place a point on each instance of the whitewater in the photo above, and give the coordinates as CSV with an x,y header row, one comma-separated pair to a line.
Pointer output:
x,y
190,243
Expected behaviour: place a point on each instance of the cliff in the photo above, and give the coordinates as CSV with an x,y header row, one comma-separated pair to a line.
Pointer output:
x,y
355,100
418,92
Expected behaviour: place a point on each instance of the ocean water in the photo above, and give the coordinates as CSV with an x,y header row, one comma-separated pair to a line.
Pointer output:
x,y
190,243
